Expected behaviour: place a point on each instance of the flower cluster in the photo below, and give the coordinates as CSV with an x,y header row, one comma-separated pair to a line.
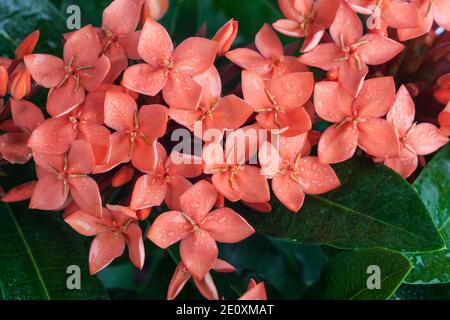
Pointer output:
x,y
118,94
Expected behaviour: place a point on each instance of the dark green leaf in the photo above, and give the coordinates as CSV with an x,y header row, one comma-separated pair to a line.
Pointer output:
x,y
346,274
374,207
35,251
423,292
433,187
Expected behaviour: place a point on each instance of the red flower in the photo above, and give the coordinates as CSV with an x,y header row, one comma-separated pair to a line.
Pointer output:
x,y
225,36
279,102
136,130
25,117
112,232
82,69
61,175
167,182
270,61
214,111
351,52
294,173
205,286
415,139
357,120
170,70
306,18
199,229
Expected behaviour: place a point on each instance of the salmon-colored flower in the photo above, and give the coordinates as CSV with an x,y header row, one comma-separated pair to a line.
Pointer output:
x,y
351,52
279,102
225,36
444,120
214,111
428,12
357,121
442,91
112,232
155,9
255,291
294,173
206,286
119,36
26,118
170,70
136,130
306,18
415,139
4,80
167,182
122,176
20,193
19,85
67,174
232,177
270,61
55,135
395,13
199,229
83,68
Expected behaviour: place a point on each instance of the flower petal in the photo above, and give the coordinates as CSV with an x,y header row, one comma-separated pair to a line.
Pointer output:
x,y
226,226
26,115
338,143
176,187
253,88
288,192
402,112
81,158
351,76
425,138
180,277
48,194
14,148
62,100
155,44
149,191
268,43
86,224
289,28
46,70
99,138
249,60
92,78
316,177
296,121
169,228
253,186
378,138
54,136
116,21
198,200
184,165
378,49
83,46
85,193
120,110
152,120
225,36
325,56
331,102
182,92
376,97
145,79
231,112
19,193
198,252
292,90
104,249
207,288
194,55
405,164
441,12
222,182
133,238
346,24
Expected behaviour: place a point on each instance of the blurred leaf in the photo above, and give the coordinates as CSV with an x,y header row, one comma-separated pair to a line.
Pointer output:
x,y
345,276
423,292
433,187
374,207
35,251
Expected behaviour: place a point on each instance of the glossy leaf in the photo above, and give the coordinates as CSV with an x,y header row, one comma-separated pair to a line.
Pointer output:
x,y
35,251
433,186
346,274
374,207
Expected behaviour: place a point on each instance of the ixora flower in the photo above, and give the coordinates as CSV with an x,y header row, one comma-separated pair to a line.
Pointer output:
x,y
13,145
199,229
395,13
270,61
61,175
357,121
112,231
444,120
306,19
83,68
55,135
206,286
214,112
167,182
429,11
154,9
294,172
225,36
255,291
279,102
170,70
415,139
136,130
351,52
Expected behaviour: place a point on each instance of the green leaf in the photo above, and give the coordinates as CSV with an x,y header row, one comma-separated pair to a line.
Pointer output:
x,y
374,207
35,251
433,187
423,292
346,274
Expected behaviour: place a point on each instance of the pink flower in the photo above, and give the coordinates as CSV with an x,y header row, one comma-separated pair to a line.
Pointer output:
x,y
306,18
206,286
270,61
67,174
25,117
415,139
199,229
170,70
279,102
357,121
351,52
294,173
83,68
112,232
214,111
167,182
136,130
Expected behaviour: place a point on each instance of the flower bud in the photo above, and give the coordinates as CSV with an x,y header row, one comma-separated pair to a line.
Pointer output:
x,y
226,36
